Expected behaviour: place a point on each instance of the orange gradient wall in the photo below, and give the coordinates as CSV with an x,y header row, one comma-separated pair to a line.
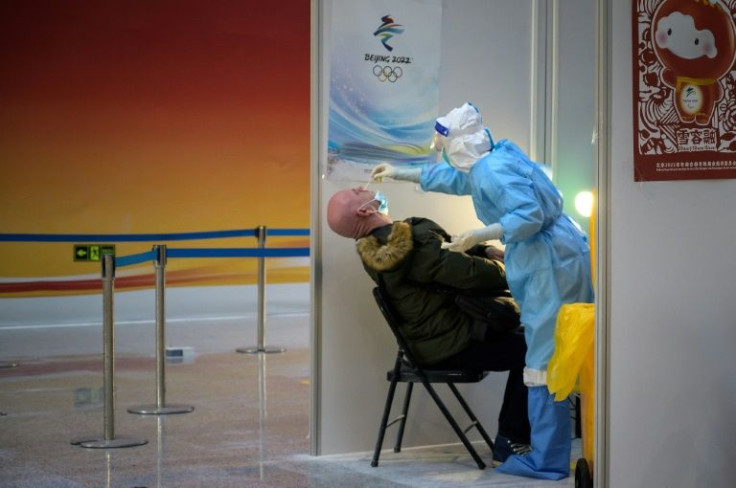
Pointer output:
x,y
151,117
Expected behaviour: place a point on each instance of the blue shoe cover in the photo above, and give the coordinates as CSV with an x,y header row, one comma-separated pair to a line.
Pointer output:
x,y
550,455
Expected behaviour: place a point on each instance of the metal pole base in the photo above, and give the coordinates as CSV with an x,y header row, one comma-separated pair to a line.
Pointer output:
x,y
98,443
258,350
156,410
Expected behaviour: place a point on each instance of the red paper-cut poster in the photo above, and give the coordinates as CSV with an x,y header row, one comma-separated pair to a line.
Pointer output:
x,y
684,56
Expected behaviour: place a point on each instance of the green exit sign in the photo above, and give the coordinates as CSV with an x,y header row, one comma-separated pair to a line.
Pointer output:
x,y
92,252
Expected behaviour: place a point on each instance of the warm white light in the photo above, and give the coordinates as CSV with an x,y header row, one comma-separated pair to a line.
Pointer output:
x,y
584,203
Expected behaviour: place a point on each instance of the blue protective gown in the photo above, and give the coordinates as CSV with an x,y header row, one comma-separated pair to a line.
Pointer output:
x,y
547,264
547,254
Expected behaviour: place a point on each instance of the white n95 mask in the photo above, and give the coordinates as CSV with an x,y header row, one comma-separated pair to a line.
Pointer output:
x,y
463,151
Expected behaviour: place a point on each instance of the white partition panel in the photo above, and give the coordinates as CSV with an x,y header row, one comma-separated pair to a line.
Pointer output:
x,y
494,54
672,313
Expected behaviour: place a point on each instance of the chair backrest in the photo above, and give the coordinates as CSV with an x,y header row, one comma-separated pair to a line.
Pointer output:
x,y
394,322
407,368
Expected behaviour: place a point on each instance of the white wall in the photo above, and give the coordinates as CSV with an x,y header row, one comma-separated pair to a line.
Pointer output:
x,y
673,314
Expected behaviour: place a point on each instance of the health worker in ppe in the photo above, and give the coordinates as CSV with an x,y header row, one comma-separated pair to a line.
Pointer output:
x,y
547,258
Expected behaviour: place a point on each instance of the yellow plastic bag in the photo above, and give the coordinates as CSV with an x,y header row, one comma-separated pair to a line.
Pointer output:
x,y
574,336
574,357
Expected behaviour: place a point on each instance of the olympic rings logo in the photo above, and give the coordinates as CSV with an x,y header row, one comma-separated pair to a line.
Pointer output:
x,y
387,73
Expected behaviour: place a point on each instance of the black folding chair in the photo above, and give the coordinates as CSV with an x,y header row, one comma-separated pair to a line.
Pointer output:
x,y
406,370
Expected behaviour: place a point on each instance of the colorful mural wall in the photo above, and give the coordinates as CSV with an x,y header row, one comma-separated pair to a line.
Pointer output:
x,y
151,117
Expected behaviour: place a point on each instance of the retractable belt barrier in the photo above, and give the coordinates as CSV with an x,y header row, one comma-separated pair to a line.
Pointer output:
x,y
177,236
159,255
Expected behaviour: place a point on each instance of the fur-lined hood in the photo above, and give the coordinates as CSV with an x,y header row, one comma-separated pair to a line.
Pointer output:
x,y
384,257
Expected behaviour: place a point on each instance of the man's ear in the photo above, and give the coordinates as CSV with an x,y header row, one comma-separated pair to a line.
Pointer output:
x,y
365,211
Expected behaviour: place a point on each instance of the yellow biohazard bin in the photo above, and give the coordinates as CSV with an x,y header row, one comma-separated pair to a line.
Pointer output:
x,y
572,367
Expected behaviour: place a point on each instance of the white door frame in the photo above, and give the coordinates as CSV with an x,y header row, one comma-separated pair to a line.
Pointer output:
x,y
602,282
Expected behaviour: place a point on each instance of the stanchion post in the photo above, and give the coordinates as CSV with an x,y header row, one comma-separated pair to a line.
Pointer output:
x,y
108,344
261,311
108,357
160,408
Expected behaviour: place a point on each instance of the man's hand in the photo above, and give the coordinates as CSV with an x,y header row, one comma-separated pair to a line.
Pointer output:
x,y
495,253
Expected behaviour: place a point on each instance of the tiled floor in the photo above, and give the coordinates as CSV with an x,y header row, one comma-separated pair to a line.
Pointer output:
x,y
250,412
249,427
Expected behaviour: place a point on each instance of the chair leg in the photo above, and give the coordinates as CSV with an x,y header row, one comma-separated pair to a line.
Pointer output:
x,y
404,413
453,423
384,418
475,422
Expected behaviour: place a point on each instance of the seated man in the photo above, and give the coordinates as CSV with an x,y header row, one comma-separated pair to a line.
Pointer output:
x,y
405,258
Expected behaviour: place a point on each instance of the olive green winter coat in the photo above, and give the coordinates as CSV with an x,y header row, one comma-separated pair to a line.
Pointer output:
x,y
406,260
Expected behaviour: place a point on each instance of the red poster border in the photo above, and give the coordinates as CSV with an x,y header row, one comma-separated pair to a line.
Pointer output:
x,y
653,159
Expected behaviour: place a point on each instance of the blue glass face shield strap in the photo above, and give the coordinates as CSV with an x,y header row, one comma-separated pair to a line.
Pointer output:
x,y
441,128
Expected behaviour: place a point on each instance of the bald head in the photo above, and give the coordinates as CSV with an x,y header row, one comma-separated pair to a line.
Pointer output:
x,y
353,213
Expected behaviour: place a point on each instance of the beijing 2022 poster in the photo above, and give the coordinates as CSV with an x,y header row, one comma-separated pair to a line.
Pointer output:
x,y
684,89
384,84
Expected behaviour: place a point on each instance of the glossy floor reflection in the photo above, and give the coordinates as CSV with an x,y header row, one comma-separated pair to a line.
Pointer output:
x,y
251,411
249,427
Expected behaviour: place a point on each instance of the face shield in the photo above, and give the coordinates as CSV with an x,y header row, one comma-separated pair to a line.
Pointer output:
x,y
438,142
460,121
461,137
